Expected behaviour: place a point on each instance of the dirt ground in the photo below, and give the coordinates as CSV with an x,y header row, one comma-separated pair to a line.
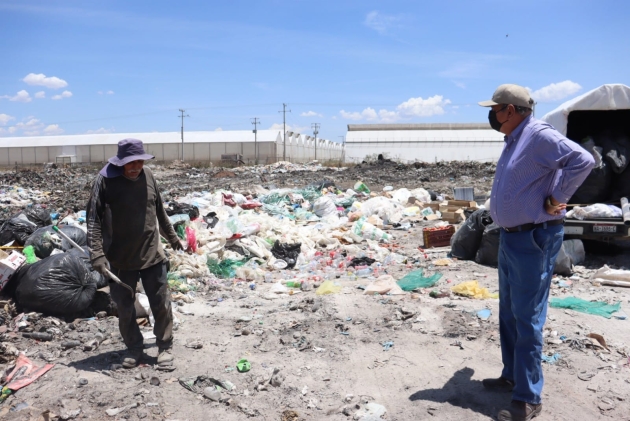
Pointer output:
x,y
328,349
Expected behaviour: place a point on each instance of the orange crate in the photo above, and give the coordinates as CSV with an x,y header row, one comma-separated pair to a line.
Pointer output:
x,y
438,237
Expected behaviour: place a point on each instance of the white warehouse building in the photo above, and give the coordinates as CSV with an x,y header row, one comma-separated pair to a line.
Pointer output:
x,y
198,147
424,142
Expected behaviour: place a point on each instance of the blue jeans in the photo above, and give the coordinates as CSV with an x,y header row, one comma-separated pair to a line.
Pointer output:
x,y
526,261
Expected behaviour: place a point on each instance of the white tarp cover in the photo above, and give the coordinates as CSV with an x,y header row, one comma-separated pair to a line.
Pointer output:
x,y
606,97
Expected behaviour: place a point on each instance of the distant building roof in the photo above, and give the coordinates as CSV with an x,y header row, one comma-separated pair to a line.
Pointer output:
x,y
421,126
228,136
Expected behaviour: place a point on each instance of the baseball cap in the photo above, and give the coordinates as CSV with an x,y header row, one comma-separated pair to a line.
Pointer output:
x,y
510,94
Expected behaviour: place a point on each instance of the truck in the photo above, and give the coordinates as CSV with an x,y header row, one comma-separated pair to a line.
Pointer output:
x,y
588,119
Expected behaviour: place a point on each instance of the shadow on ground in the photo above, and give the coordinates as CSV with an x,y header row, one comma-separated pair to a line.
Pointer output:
x,y
463,392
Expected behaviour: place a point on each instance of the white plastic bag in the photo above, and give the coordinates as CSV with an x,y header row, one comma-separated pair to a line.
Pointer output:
x,y
422,195
324,206
597,210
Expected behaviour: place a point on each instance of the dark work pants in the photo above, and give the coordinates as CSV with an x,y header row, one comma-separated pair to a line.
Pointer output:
x,y
156,287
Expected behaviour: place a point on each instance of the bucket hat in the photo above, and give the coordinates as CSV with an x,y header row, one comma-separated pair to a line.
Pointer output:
x,y
128,150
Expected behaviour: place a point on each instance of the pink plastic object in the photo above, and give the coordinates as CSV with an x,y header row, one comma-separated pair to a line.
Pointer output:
x,y
191,237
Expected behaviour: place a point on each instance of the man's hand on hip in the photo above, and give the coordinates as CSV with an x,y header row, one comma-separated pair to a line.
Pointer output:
x,y
553,207
100,264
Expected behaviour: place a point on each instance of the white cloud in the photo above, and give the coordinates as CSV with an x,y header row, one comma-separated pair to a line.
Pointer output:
x,y
218,129
100,92
30,123
366,114
295,129
64,94
21,96
5,118
40,79
555,91
311,114
460,85
12,129
40,95
102,130
53,129
413,107
379,22
31,133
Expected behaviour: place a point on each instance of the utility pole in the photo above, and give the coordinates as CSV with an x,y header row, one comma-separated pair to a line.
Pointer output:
x,y
182,117
315,127
284,130
255,122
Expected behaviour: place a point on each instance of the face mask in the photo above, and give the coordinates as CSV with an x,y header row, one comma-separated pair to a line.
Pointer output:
x,y
494,122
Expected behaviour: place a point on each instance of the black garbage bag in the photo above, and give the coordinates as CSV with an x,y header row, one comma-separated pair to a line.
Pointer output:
x,y
84,255
175,208
59,284
361,261
616,147
211,219
621,186
287,252
596,187
38,215
45,240
488,253
465,242
16,229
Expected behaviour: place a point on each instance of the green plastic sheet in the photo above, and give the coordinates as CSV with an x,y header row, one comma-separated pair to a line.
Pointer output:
x,y
597,308
225,269
416,279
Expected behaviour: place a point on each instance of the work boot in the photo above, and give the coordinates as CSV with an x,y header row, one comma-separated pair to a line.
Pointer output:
x,y
133,358
498,385
165,358
520,411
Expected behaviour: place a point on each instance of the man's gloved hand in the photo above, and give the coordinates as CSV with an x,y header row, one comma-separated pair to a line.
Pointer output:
x,y
100,264
177,245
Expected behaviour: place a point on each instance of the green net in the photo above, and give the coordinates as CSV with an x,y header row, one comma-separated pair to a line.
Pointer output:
x,y
597,308
225,269
181,233
416,279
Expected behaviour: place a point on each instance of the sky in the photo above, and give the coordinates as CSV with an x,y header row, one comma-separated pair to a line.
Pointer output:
x,y
75,67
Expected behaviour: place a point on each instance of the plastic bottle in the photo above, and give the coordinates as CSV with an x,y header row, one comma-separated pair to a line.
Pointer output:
x,y
364,273
294,284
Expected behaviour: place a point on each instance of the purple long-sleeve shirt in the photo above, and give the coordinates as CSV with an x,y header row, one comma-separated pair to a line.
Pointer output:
x,y
537,161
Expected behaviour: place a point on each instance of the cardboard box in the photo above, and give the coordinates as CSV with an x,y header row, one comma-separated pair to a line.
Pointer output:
x,y
453,217
9,264
463,203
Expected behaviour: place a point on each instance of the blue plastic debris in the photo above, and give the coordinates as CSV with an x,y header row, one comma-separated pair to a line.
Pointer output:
x,y
551,359
484,314
387,345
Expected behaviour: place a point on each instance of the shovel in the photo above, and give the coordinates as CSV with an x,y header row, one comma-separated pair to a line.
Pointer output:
x,y
107,271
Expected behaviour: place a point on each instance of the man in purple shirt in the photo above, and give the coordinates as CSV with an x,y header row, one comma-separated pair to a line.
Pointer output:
x,y
539,170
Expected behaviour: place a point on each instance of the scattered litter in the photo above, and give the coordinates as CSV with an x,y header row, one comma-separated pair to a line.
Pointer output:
x,y
387,345
597,308
243,366
416,279
551,359
484,314
473,290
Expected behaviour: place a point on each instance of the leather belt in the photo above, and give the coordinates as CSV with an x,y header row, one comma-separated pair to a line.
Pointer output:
x,y
529,227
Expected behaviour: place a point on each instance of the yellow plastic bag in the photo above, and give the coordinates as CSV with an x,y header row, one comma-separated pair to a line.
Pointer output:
x,y
328,287
473,290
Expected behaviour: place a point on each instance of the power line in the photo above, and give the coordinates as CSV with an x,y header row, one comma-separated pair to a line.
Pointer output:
x,y
284,131
315,127
182,116
255,122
